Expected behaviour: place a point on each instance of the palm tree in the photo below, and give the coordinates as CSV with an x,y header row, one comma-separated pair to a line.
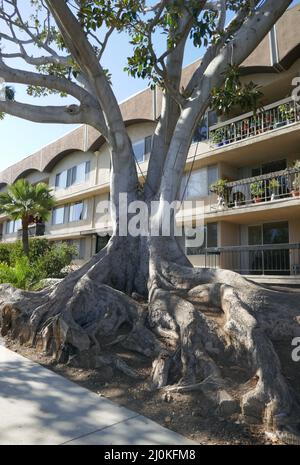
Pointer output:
x,y
28,203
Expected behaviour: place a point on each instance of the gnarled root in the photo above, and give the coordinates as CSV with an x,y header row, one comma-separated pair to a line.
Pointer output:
x,y
206,330
219,326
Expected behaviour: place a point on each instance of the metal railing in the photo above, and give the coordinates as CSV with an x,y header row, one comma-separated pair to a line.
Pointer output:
x,y
34,231
274,116
256,190
272,259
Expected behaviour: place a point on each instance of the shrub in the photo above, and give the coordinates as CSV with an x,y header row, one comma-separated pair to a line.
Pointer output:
x,y
38,247
6,251
55,259
22,275
46,260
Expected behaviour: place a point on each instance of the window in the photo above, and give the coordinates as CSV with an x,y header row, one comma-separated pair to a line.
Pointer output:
x,y
269,233
212,176
142,149
201,131
77,211
79,244
199,182
71,176
148,145
9,228
80,173
18,225
61,180
13,226
275,260
211,235
58,215
69,213
74,175
139,150
270,167
210,240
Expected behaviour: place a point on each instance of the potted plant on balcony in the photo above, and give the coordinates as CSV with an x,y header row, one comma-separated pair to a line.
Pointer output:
x,y
220,188
217,138
296,181
274,185
257,191
286,115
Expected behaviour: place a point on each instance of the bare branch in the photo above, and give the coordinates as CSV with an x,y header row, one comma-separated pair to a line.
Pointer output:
x,y
71,114
50,82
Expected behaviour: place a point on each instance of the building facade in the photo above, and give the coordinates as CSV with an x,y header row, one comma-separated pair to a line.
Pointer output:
x,y
252,222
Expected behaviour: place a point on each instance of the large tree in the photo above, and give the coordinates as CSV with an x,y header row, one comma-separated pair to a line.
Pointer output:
x,y
141,293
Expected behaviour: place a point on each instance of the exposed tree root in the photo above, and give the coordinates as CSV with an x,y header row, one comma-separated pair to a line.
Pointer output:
x,y
208,330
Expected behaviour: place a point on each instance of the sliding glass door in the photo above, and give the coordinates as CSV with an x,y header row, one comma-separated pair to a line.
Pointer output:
x,y
271,260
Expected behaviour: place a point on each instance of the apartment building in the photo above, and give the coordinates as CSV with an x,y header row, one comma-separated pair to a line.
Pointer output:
x,y
252,220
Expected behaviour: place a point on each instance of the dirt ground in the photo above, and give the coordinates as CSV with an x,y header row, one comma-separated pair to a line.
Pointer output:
x,y
186,413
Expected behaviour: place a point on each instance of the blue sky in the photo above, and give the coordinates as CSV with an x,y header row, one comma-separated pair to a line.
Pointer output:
x,y
20,138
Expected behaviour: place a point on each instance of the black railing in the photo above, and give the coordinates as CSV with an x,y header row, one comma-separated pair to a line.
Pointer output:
x,y
255,190
274,116
34,231
279,259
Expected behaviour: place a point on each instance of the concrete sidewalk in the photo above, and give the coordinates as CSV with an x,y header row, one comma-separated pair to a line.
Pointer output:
x,y
38,406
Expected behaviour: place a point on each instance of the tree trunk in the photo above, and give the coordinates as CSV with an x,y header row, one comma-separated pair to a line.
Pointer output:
x,y
25,237
207,330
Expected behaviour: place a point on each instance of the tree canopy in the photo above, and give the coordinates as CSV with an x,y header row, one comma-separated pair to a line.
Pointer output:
x,y
39,33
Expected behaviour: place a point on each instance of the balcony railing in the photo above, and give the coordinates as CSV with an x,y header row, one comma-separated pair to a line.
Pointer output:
x,y
257,190
273,259
274,116
35,230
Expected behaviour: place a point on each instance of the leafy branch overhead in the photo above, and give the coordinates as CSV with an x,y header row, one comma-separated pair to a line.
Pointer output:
x,y
155,31
61,46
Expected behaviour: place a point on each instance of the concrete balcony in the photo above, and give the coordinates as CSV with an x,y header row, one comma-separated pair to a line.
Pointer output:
x,y
243,140
275,116
271,187
262,197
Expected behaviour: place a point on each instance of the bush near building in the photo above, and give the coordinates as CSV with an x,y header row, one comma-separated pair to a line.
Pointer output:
x,y
45,260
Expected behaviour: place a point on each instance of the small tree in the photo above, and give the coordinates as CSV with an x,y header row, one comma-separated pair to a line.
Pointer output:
x,y
28,203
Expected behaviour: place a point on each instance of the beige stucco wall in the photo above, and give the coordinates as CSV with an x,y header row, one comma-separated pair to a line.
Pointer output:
x,y
102,219
136,133
68,162
294,230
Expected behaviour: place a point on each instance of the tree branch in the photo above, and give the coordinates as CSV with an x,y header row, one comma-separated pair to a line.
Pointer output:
x,y
124,177
71,114
250,35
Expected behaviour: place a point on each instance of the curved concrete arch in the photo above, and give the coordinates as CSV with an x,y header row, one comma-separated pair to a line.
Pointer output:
x,y
58,157
100,141
25,173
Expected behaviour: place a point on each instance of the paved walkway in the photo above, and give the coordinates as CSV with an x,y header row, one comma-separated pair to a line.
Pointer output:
x,y
38,406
